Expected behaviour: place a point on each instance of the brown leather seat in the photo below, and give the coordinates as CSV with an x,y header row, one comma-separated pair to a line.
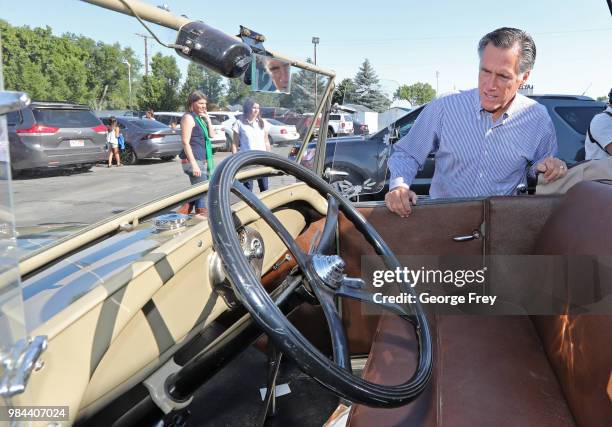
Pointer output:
x,y
511,370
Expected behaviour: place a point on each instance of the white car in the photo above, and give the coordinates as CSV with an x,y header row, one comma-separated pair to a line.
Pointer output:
x,y
281,132
218,142
227,119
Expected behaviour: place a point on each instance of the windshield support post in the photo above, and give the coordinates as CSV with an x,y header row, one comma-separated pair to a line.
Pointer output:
x,y
319,160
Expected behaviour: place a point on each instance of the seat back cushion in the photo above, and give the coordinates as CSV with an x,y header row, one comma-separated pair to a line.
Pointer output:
x,y
579,347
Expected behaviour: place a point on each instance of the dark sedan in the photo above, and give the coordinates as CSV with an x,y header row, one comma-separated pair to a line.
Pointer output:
x,y
146,138
358,165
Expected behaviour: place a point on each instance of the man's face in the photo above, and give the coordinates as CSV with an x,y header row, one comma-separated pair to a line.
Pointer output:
x,y
280,73
499,78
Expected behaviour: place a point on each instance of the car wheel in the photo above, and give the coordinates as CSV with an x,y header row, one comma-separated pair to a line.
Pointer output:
x,y
128,156
228,143
330,133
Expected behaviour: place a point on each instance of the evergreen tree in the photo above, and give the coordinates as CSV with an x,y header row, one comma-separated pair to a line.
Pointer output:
x,y
367,91
344,92
303,90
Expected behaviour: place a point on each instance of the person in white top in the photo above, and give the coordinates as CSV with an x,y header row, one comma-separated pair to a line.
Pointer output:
x,y
113,143
251,133
598,142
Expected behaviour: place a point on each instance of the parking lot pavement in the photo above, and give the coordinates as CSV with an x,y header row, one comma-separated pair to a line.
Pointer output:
x,y
52,197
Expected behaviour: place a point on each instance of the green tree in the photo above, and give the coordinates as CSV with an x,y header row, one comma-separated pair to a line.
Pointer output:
x,y
67,68
199,78
160,90
602,98
237,91
367,91
418,93
344,92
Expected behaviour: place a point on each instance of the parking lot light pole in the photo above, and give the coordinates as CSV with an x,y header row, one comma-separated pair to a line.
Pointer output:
x,y
125,61
315,42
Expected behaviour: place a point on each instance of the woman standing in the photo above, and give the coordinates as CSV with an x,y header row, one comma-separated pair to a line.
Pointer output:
x,y
196,131
112,135
251,133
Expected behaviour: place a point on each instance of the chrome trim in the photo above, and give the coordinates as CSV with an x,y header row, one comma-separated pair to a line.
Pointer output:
x,y
330,269
19,363
173,221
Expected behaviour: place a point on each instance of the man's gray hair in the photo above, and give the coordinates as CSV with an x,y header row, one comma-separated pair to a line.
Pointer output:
x,y
507,38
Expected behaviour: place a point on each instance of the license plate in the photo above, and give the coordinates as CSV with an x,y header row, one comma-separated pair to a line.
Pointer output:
x,y
77,143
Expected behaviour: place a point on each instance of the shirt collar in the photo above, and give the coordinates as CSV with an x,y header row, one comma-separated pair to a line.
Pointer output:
x,y
515,105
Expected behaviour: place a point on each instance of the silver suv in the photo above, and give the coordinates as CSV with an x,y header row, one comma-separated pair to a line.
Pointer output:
x,y
55,134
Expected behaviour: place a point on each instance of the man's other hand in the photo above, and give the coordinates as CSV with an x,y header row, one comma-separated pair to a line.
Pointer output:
x,y
552,168
398,201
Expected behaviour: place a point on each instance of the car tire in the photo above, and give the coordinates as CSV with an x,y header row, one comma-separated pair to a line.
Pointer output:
x,y
128,156
330,133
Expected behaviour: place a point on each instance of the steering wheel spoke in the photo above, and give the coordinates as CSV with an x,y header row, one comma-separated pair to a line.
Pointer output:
x,y
327,243
336,328
354,288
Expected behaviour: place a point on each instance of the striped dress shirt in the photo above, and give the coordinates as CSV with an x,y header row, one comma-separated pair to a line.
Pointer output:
x,y
474,155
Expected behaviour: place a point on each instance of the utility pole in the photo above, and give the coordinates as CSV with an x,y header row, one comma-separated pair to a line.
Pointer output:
x,y
146,38
315,42
125,61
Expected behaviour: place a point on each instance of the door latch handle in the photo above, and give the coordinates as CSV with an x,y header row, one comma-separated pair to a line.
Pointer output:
x,y
475,235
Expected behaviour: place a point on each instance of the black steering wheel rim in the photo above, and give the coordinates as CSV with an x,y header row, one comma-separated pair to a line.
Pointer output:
x,y
269,317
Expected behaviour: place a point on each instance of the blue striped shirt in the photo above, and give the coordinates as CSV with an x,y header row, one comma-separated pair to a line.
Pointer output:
x,y
474,155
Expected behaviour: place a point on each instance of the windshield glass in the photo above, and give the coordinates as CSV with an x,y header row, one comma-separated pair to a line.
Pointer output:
x,y
71,169
65,118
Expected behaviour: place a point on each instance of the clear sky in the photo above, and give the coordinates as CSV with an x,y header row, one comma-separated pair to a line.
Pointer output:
x,y
405,41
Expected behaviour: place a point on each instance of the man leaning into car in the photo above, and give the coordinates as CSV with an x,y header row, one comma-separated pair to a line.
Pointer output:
x,y
486,140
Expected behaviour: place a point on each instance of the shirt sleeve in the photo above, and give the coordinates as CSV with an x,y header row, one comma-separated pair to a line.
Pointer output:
x,y
547,145
601,129
410,152
236,127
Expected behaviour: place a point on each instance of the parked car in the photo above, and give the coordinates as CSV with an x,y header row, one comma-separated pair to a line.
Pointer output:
x,y
301,122
339,124
349,161
281,133
146,138
227,119
218,142
55,134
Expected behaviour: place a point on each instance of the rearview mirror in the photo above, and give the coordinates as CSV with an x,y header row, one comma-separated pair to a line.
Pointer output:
x,y
270,74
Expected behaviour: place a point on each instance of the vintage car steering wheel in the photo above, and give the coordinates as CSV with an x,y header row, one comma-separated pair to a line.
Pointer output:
x,y
323,272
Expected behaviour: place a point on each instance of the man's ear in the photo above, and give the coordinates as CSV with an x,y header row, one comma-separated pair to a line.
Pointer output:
x,y
525,76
